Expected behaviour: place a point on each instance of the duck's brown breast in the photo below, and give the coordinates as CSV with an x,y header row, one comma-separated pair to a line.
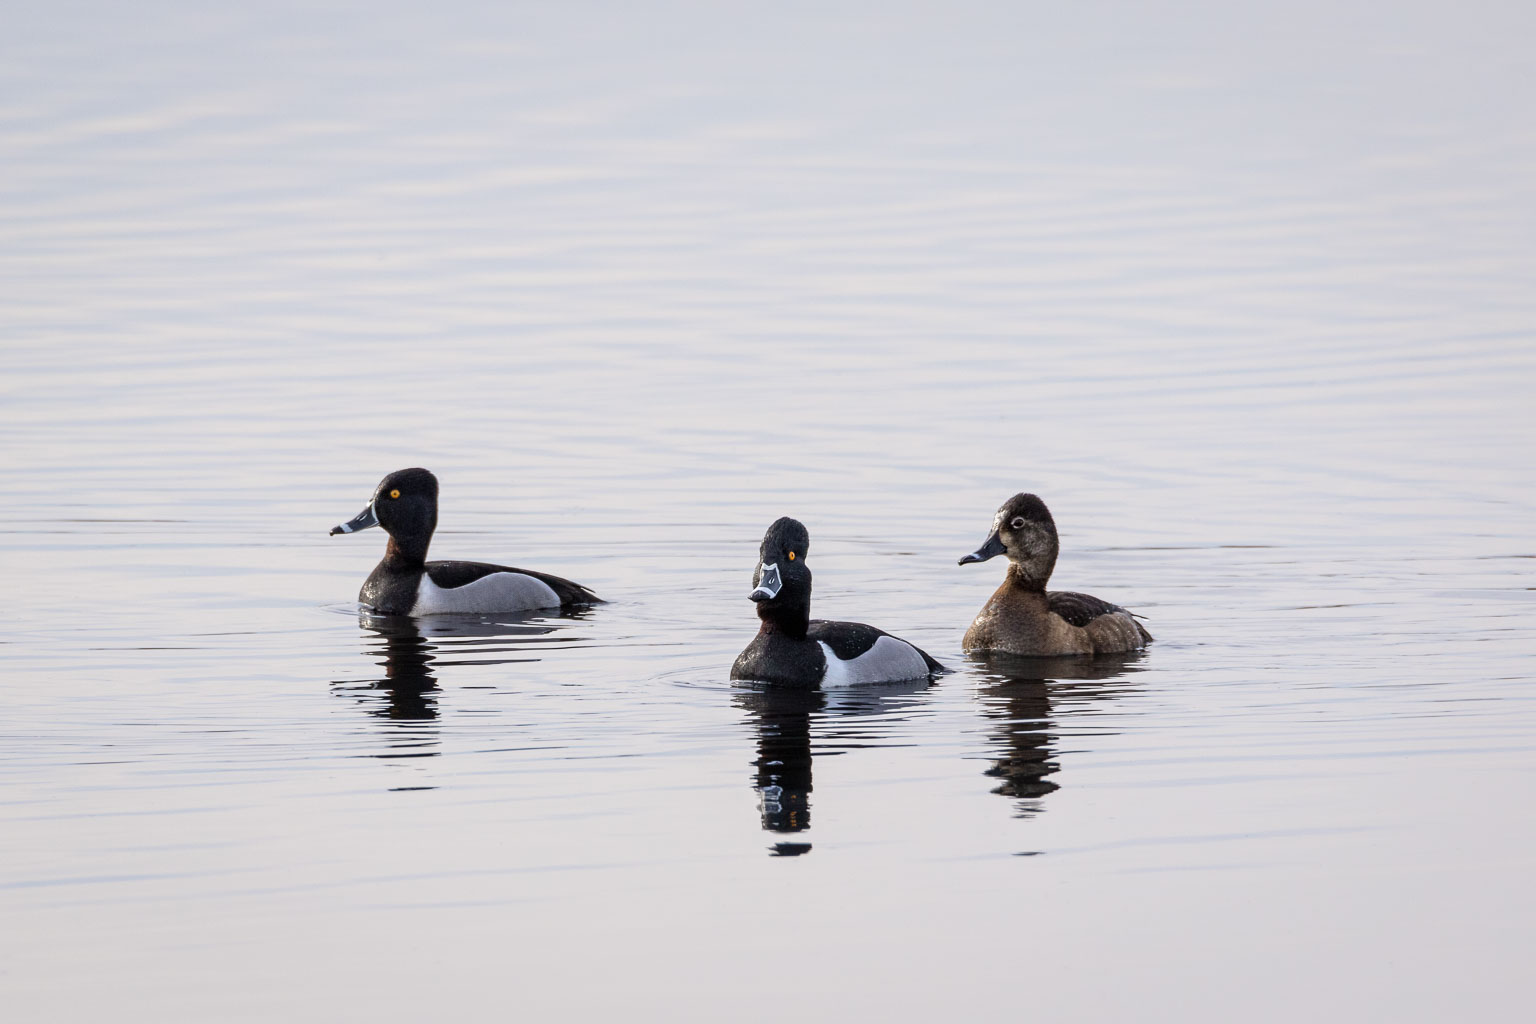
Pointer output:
x,y
1019,621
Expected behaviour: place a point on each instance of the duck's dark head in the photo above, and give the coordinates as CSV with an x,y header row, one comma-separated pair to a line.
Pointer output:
x,y
405,505
1025,532
781,583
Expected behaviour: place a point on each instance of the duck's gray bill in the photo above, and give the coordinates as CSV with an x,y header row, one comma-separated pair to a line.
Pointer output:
x,y
361,521
768,583
991,549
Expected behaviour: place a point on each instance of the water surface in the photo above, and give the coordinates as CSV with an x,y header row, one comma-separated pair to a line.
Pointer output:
x,y
1245,298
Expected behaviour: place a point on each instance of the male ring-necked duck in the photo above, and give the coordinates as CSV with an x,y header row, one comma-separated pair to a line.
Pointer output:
x,y
792,649
1022,617
405,583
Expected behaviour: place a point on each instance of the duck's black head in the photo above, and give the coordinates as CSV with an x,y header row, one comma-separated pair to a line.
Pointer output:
x,y
781,583
1023,530
405,505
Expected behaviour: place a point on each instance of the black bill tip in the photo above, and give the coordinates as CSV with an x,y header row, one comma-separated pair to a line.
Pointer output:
x,y
362,521
991,549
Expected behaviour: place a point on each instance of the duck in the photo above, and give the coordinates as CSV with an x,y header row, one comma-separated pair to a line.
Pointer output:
x,y
1022,617
405,583
792,649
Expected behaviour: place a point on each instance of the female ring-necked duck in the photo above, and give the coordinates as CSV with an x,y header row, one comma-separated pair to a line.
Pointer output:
x,y
1022,617
405,583
792,649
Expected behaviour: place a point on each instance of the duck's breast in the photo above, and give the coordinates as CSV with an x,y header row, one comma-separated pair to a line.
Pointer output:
x,y
781,661
1020,621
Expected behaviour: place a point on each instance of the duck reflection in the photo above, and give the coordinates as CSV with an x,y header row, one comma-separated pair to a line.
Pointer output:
x,y
786,721
410,652
783,763
1026,698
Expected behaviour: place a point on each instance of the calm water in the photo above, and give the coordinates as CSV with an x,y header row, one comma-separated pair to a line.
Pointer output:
x,y
1247,299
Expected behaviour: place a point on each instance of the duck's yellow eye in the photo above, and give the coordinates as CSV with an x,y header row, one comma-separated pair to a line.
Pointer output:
x,y
394,494
791,556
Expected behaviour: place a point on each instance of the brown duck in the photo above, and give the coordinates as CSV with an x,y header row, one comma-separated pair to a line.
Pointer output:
x,y
1022,617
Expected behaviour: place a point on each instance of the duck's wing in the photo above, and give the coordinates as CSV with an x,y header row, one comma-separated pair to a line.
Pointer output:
x,y
1081,609
451,575
852,640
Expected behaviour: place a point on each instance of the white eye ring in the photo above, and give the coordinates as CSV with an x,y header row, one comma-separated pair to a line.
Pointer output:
x,y
1018,523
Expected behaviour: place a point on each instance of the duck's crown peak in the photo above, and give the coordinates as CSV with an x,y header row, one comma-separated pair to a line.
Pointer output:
x,y
787,532
1025,506
409,481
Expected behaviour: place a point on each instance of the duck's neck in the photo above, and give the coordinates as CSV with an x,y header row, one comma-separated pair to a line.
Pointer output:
x,y
1031,577
406,554
792,620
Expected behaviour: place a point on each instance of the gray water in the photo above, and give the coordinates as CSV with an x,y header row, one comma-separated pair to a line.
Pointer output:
x,y
1245,296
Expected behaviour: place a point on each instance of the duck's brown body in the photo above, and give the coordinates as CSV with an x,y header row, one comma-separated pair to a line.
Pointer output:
x,y
1022,617
1018,620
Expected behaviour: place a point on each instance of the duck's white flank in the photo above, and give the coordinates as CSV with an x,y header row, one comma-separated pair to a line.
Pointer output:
x,y
889,661
498,592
